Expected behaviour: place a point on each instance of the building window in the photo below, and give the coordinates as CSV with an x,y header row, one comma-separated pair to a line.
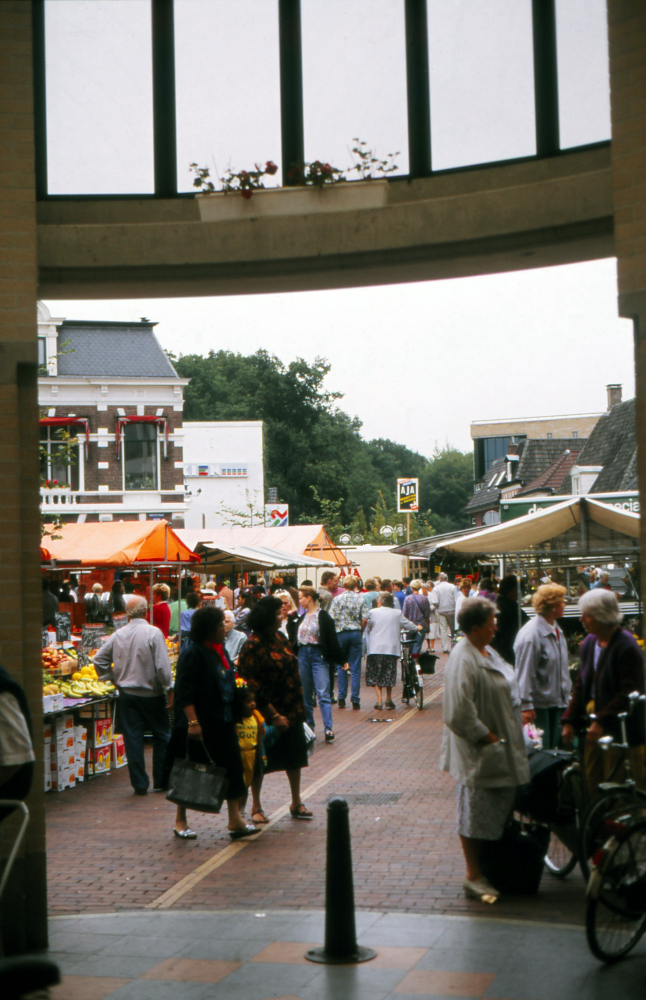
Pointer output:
x,y
487,450
575,434
549,435
59,460
42,352
140,457
491,517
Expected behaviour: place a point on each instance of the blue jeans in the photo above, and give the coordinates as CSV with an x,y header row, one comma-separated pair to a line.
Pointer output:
x,y
141,715
315,676
419,642
351,647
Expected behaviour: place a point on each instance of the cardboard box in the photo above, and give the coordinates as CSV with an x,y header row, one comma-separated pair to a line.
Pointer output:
x,y
102,759
65,741
80,752
80,772
47,727
48,780
118,752
48,701
103,732
64,722
80,734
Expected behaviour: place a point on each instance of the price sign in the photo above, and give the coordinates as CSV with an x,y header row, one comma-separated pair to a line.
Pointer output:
x,y
91,636
119,621
407,495
63,626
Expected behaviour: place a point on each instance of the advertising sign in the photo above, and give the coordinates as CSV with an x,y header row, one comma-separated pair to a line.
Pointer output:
x,y
276,515
407,495
511,509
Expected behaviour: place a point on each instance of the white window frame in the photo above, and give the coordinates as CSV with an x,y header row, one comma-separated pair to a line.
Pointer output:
x,y
80,451
155,489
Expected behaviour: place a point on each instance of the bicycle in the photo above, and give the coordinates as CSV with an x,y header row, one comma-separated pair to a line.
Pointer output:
x,y
616,894
615,798
412,677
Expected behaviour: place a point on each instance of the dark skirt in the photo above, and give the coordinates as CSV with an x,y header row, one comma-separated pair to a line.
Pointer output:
x,y
221,743
289,752
381,670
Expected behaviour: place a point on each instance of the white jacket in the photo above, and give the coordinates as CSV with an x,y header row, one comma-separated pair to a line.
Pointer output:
x,y
383,631
480,696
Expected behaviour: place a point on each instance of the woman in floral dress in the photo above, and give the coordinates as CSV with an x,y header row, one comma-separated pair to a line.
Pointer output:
x,y
268,664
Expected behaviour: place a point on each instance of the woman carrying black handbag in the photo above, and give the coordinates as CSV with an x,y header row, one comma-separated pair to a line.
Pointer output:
x,y
204,688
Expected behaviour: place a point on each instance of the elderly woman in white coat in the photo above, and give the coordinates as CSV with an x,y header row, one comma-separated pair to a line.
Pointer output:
x,y
483,746
383,641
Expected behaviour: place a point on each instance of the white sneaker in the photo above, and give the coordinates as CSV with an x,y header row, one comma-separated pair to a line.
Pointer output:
x,y
481,889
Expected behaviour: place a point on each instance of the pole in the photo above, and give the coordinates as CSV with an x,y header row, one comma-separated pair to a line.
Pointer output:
x,y
518,591
340,946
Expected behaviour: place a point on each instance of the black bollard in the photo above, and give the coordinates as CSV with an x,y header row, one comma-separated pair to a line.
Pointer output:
x,y
341,946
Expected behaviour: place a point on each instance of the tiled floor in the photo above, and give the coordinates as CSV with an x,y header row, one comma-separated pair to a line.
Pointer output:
x,y
236,955
406,856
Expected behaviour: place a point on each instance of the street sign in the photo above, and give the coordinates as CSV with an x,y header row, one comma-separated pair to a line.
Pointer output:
x,y
276,515
407,495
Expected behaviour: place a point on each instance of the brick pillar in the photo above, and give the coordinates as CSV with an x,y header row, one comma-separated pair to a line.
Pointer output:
x,y
627,41
24,914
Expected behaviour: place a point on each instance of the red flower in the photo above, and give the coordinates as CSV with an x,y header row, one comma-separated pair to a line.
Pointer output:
x,y
271,168
246,193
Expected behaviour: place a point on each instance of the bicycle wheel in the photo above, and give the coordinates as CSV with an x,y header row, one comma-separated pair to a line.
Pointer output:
x,y
616,909
418,689
615,802
562,852
406,692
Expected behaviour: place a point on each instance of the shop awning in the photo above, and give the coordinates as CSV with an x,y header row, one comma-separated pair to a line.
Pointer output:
x,y
253,557
526,532
110,544
310,540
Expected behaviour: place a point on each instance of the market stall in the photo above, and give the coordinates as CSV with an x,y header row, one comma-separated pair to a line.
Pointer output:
x,y
79,710
243,558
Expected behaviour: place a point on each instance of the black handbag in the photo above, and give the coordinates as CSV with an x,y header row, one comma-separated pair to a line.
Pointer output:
x,y
541,798
427,662
197,786
514,864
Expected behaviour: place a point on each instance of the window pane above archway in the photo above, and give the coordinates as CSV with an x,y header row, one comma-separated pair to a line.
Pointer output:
x,y
482,81
354,79
227,86
583,74
99,96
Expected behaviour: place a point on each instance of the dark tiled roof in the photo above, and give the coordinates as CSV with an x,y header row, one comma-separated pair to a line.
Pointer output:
x,y
613,444
540,454
111,349
555,476
489,495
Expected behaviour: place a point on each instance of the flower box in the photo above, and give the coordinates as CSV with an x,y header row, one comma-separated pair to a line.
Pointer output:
x,y
347,196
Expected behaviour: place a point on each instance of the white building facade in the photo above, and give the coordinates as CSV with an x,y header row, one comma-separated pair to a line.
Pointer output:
x,y
223,473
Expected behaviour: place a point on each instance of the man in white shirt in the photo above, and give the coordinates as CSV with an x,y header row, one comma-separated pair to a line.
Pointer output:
x,y
136,659
444,596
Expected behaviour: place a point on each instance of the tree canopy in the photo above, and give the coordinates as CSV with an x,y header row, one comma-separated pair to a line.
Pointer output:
x,y
314,453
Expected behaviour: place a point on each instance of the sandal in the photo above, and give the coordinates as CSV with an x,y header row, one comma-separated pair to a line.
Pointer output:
x,y
390,705
247,831
378,706
300,812
263,817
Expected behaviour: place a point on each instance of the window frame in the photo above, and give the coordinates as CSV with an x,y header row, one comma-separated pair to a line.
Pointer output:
x,y
124,432
50,440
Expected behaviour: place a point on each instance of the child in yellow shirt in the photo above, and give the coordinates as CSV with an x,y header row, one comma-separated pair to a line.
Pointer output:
x,y
251,730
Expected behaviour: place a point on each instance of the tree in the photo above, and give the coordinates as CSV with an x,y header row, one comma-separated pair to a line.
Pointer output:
x,y
446,485
314,453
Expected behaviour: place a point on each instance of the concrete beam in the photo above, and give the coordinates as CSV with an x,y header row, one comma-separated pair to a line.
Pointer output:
x,y
534,213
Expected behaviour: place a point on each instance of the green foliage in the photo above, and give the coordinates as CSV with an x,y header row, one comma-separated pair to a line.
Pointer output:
x,y
314,453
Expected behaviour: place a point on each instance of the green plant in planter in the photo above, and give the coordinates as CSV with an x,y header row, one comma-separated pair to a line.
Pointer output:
x,y
243,182
369,166
315,174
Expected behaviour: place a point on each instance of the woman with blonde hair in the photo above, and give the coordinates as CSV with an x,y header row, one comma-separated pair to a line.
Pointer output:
x,y
542,664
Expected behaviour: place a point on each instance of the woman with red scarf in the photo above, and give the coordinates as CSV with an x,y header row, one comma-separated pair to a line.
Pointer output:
x,y
204,690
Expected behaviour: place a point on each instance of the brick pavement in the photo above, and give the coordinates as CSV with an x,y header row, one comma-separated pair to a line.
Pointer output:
x,y
109,850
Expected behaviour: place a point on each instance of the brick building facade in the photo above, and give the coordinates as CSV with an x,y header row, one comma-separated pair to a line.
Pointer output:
x,y
111,388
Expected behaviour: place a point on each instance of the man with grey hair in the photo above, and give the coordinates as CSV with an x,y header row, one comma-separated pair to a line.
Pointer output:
x,y
443,598
233,640
136,659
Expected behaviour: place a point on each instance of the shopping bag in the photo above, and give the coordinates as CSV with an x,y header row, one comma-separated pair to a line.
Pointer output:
x,y
310,739
427,662
514,864
197,786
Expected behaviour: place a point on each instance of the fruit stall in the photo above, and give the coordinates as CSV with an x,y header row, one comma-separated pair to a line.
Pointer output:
x,y
79,709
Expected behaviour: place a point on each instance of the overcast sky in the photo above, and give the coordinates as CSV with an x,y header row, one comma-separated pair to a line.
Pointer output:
x,y
415,362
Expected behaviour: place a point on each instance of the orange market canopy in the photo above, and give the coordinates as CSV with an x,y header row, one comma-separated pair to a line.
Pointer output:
x,y
110,544
309,540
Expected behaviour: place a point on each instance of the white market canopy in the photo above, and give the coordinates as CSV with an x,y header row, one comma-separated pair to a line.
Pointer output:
x,y
526,532
253,557
304,544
